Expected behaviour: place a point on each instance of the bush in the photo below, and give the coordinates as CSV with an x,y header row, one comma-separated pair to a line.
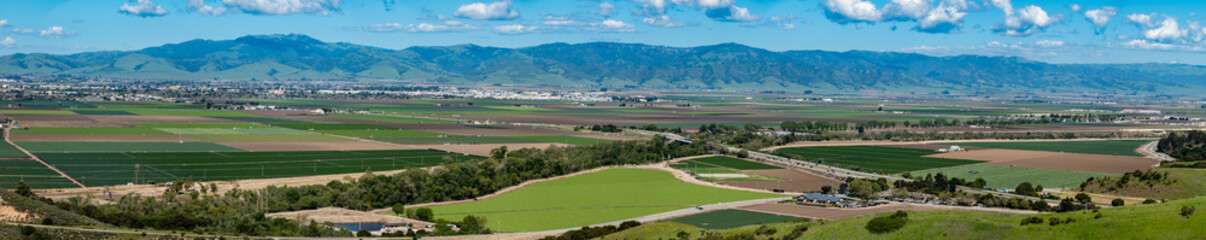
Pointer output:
x,y
1054,221
1149,201
364,233
888,223
1187,210
1031,220
1117,202
425,214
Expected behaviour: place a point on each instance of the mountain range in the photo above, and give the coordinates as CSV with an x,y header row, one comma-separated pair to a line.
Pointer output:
x,y
607,64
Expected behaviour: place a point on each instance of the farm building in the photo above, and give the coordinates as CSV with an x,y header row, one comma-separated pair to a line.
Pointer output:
x,y
819,198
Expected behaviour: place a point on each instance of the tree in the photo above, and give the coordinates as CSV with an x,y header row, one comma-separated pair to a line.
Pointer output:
x,y
826,189
424,214
364,233
979,183
23,189
862,188
399,209
1025,188
1083,198
473,224
1117,202
498,153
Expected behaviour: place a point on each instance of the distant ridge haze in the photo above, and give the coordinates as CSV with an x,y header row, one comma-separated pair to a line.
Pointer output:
x,y
605,64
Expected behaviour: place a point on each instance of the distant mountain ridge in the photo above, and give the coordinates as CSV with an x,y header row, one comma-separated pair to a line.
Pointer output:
x,y
605,64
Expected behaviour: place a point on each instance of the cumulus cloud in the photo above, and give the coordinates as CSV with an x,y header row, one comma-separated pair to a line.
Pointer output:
x,y
514,29
731,13
1099,17
199,6
1005,6
1168,31
1049,43
283,7
944,19
55,32
708,4
662,21
851,11
1074,7
1149,45
1142,20
611,25
446,26
605,9
483,11
142,8
1029,20
4,23
8,42
907,9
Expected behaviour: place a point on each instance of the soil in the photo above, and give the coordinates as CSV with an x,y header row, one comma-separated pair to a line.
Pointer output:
x,y
101,138
341,215
832,213
1054,160
794,181
159,119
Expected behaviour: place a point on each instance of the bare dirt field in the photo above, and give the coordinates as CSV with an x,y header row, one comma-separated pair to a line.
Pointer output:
x,y
61,120
794,181
341,215
1054,160
158,119
484,149
316,146
100,138
930,147
834,213
890,143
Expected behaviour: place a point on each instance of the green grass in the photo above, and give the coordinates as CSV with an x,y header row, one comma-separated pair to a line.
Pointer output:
x,y
86,131
265,120
33,173
45,104
200,125
659,230
700,168
389,119
101,112
71,147
1110,147
269,138
189,112
879,159
100,169
45,112
592,198
730,218
1009,177
8,151
734,163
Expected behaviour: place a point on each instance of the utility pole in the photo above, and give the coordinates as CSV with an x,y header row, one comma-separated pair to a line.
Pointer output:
x,y
136,166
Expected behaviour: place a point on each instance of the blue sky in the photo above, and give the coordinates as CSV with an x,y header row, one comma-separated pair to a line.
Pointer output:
x,y
1058,31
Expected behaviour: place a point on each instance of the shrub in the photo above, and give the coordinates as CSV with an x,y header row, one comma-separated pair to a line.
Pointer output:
x,y
1149,201
364,233
1054,221
1117,202
888,223
1031,220
1187,210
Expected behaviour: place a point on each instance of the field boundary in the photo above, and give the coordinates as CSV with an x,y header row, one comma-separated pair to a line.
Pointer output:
x,y
7,132
880,143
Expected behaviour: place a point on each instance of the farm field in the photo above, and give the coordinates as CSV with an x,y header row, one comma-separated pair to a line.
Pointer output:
x,y
200,125
730,218
729,162
248,130
269,138
999,177
571,140
389,119
700,168
41,112
9,151
102,169
1109,147
873,158
1053,160
75,147
33,173
591,198
140,131
787,180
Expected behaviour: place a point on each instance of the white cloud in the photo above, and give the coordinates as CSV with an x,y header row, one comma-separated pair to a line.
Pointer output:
x,y
1033,50
142,8
709,4
907,9
514,29
1099,17
1005,6
1148,45
199,6
55,32
732,13
662,21
8,42
492,11
611,25
3,23
283,7
1029,20
1141,20
944,19
851,11
1074,7
447,26
651,7
1168,31
605,9
1049,43
23,31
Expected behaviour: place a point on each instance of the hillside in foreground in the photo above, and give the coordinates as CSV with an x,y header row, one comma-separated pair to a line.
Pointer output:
x,y
1152,221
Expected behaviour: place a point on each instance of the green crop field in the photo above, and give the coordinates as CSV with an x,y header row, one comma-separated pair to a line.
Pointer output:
x,y
390,119
101,112
1009,177
249,130
188,112
33,173
100,169
8,151
269,138
45,112
733,163
76,147
730,218
265,120
592,198
200,125
87,131
879,159
1111,147
45,104
700,168
571,140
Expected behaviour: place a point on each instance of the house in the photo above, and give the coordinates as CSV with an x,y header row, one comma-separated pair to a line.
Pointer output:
x,y
819,198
